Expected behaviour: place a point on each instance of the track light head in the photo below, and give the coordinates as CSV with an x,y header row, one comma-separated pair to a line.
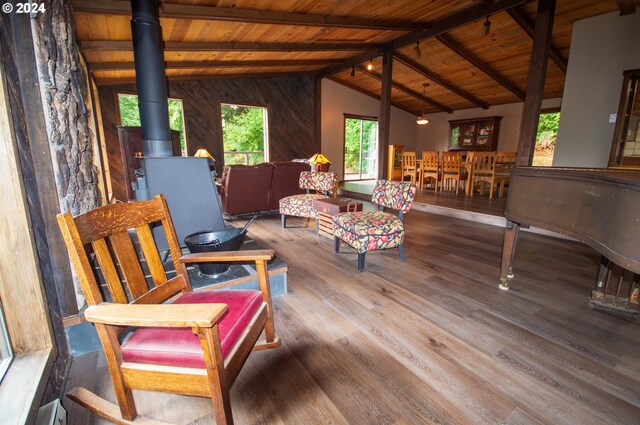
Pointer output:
x,y
486,27
417,49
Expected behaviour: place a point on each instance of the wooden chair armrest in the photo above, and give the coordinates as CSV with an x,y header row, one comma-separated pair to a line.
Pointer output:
x,y
163,315
229,256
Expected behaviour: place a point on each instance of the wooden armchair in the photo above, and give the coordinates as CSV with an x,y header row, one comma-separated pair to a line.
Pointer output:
x,y
430,168
195,345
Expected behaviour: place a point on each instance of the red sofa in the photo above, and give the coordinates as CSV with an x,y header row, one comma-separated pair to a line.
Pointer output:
x,y
251,189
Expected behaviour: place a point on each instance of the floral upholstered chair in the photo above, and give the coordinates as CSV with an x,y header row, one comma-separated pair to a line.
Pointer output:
x,y
302,205
374,230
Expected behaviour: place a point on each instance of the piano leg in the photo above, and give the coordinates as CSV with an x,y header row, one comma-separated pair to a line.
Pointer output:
x,y
508,253
604,274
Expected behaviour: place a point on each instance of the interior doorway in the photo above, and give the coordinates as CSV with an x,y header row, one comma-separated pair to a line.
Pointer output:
x,y
360,148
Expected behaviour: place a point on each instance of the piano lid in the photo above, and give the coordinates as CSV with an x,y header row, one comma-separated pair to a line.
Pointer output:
x,y
597,206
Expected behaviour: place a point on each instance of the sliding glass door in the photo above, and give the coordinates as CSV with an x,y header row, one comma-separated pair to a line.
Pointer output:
x,y
360,148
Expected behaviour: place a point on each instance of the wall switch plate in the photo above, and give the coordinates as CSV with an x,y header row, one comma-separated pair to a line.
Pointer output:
x,y
612,118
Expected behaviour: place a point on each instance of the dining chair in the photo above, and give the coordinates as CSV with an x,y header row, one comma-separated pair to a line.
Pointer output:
x,y
453,170
505,162
186,342
409,166
430,168
482,171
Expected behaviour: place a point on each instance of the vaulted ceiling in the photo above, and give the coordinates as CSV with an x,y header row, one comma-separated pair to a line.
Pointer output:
x,y
438,42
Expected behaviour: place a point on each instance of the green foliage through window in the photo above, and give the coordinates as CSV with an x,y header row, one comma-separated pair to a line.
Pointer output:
x,y
360,148
546,139
243,134
130,115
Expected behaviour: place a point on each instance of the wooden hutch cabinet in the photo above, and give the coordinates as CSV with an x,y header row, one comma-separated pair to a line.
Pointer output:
x,y
478,134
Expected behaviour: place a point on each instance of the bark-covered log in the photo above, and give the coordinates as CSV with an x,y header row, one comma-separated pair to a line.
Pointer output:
x,y
64,98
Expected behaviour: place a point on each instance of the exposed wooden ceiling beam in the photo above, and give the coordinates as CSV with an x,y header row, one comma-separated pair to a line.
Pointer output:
x,y
480,64
627,7
405,60
123,66
184,46
177,78
478,11
229,14
528,26
370,94
406,90
441,26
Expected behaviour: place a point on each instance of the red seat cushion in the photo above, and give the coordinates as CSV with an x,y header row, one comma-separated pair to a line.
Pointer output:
x,y
179,346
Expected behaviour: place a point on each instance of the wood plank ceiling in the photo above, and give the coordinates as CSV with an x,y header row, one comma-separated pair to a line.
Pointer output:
x,y
439,42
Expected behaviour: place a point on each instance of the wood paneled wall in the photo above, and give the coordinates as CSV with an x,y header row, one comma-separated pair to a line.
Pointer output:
x,y
290,102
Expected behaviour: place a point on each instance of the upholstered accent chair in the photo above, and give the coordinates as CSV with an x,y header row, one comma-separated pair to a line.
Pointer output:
x,y
322,183
186,342
375,230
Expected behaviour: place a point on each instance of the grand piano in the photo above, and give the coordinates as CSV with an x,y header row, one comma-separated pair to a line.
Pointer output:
x,y
599,207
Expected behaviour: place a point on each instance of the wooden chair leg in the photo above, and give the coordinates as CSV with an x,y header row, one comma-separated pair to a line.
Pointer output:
x,y
361,260
218,385
283,220
124,395
336,244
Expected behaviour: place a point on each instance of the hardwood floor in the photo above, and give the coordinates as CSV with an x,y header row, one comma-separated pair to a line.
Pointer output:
x,y
429,341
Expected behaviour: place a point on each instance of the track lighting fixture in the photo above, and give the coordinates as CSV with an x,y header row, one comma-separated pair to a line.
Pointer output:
x,y
486,27
417,49
353,71
370,65
422,119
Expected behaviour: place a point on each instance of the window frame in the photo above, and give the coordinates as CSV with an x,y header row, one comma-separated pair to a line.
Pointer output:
x,y
265,122
185,151
344,141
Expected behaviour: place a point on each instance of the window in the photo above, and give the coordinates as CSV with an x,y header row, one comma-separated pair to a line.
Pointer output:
x,y
130,115
244,134
360,148
6,354
546,138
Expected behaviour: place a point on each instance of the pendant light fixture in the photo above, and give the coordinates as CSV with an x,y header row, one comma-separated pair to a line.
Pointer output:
x,y
486,27
353,71
370,65
422,119
417,49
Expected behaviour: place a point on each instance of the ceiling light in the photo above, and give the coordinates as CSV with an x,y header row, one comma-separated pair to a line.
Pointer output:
x,y
370,65
417,49
486,27
353,71
422,119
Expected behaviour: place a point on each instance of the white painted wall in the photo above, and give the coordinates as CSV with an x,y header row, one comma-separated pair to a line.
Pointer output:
x,y
338,100
435,135
602,48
